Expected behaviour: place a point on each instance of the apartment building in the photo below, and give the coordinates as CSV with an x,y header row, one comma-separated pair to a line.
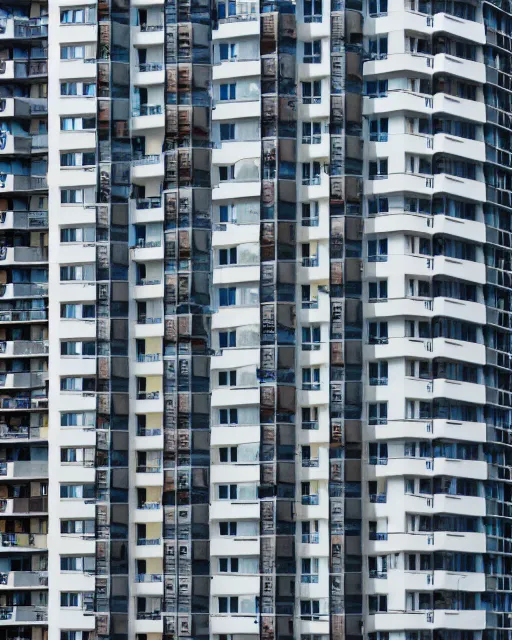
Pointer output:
x,y
255,298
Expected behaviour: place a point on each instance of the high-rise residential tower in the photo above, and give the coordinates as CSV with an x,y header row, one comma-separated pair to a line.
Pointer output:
x,y
255,320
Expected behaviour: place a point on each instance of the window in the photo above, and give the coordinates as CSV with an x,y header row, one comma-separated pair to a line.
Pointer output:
x,y
228,565
78,348
312,52
75,16
87,527
72,52
228,416
377,7
73,88
228,454
310,379
227,491
228,604
376,88
79,159
310,609
84,272
312,11
77,491
77,234
227,528
379,130
227,213
227,339
72,196
78,384
378,373
312,92
76,563
377,604
311,133
227,256
75,635
69,599
77,311
378,413
310,338
227,378
378,250
227,132
227,296
77,124
227,173
378,205
378,332
378,48
77,419
378,290
227,51
378,169
227,91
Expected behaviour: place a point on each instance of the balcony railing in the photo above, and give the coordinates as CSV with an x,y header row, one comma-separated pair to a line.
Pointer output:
x,y
310,222
148,28
311,425
314,180
148,577
310,462
310,500
148,203
378,536
142,319
310,262
147,244
310,304
148,542
148,395
307,578
378,497
150,66
149,357
151,506
146,282
147,110
310,386
144,432
149,615
145,160
148,468
310,538
311,346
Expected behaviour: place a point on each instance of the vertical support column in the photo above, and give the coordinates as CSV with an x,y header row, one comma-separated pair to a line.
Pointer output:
x,y
187,308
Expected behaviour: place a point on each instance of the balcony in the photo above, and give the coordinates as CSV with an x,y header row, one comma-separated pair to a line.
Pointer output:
x,y
23,348
147,250
22,432
148,116
150,73
23,579
23,469
17,183
310,538
24,220
149,166
30,614
148,35
147,289
23,541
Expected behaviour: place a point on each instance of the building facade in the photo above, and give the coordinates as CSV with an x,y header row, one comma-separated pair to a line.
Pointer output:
x,y
255,319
